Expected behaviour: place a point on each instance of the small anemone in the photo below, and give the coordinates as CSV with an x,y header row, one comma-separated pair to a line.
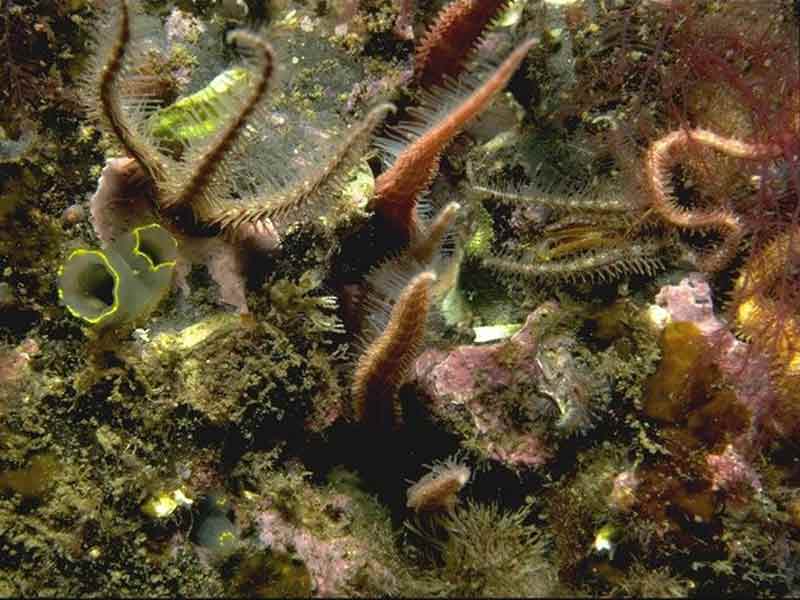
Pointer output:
x,y
438,489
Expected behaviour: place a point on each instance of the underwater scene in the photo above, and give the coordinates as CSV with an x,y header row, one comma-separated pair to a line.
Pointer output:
x,y
400,298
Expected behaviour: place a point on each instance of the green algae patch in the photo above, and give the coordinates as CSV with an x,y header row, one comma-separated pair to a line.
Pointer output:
x,y
267,574
188,339
294,301
32,481
359,186
612,322
486,552
482,235
164,504
230,372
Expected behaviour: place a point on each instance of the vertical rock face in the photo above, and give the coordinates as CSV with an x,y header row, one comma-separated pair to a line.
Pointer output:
x,y
210,452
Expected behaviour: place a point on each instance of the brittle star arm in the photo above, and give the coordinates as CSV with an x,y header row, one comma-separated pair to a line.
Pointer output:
x,y
664,154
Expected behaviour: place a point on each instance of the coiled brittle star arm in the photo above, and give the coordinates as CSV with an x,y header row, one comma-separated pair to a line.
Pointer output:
x,y
664,154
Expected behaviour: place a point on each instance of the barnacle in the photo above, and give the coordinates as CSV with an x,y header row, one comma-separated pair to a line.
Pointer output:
x,y
439,488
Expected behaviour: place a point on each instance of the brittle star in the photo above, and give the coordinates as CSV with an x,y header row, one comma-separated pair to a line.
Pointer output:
x,y
664,154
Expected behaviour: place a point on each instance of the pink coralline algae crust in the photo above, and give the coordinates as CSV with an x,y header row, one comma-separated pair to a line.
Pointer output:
x,y
462,373
180,26
469,376
404,26
14,363
529,451
330,562
745,372
14,371
691,301
732,473
122,202
623,493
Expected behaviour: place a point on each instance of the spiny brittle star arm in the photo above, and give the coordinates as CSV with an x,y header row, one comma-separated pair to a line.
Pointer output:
x,y
664,154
